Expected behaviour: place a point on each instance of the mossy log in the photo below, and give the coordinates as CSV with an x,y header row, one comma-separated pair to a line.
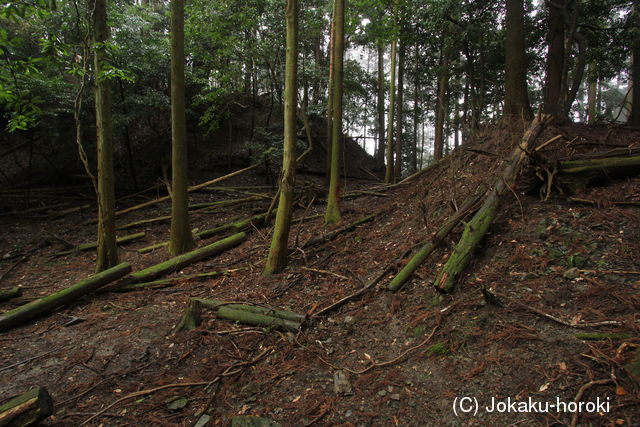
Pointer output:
x,y
407,271
7,294
574,175
330,235
42,305
232,227
27,409
477,227
244,313
599,336
87,246
158,270
268,311
190,189
172,280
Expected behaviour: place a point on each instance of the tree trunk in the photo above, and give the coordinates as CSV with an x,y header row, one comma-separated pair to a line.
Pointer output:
x,y
181,237
332,215
477,227
107,249
17,316
388,177
329,132
441,107
555,58
400,116
416,117
380,107
176,263
278,251
634,116
592,111
27,409
516,100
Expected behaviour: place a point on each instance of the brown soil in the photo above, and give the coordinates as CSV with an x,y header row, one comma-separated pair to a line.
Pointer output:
x,y
423,349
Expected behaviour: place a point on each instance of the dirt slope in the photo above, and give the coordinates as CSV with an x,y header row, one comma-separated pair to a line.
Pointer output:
x,y
573,262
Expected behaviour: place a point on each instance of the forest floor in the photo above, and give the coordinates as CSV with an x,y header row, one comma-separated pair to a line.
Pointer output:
x,y
407,356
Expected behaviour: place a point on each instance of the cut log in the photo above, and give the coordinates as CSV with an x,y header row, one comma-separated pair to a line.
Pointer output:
x,y
27,409
158,270
256,319
477,227
86,246
408,270
244,313
172,280
268,311
42,305
574,175
190,189
7,294
329,236
232,227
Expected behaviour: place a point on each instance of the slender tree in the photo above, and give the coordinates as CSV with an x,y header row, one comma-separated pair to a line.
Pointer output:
x,y
181,237
388,177
592,90
380,108
634,115
107,247
400,114
441,103
555,57
277,258
516,100
332,214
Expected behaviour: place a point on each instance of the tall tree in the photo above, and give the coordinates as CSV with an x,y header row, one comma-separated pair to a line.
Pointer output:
x,y
277,258
634,115
555,57
400,115
181,237
107,247
516,100
441,102
380,108
388,177
332,215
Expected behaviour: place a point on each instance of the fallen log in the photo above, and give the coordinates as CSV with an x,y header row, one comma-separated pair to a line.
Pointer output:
x,y
27,409
86,246
172,280
7,294
42,305
407,271
477,227
574,175
232,227
330,235
258,309
158,270
190,189
244,313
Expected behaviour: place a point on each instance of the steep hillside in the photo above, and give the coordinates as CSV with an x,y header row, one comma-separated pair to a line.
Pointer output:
x,y
557,321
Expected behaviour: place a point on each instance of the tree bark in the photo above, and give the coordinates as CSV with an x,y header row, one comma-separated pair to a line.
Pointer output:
x,y
278,252
555,57
634,116
7,294
86,246
107,255
399,115
592,111
380,108
516,100
181,237
17,316
477,227
175,263
332,214
388,177
441,106
27,409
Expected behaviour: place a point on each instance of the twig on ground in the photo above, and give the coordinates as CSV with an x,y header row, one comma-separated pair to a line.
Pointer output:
x,y
583,389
